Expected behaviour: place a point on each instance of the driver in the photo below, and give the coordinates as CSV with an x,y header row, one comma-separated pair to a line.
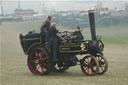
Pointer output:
x,y
80,37
52,36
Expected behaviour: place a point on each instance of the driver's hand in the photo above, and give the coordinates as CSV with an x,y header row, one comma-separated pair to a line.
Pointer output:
x,y
63,39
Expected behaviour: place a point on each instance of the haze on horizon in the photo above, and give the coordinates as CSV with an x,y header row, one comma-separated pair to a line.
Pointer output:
x,y
59,5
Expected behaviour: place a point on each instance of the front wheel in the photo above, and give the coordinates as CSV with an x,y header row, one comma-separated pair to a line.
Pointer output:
x,y
89,65
103,63
38,62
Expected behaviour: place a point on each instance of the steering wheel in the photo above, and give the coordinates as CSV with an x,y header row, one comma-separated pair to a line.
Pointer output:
x,y
67,35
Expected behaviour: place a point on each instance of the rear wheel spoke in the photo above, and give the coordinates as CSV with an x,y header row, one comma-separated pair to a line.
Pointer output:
x,y
44,59
44,64
37,67
42,68
38,62
35,61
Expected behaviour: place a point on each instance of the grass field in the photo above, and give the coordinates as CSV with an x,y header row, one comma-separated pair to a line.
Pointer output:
x,y
14,70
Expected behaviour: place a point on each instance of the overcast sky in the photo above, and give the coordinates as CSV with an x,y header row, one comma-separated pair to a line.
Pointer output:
x,y
10,5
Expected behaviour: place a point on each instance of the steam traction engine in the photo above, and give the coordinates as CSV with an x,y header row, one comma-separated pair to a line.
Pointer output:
x,y
40,59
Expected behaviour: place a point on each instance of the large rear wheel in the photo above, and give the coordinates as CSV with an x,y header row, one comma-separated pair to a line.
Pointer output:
x,y
89,65
39,62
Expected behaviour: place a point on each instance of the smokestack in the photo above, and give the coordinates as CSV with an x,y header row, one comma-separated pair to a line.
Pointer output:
x,y
2,11
92,24
18,4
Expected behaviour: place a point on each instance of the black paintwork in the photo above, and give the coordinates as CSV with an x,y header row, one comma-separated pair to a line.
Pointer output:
x,y
92,24
76,45
67,50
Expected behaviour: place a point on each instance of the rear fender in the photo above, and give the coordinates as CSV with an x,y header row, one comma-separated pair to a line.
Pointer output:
x,y
46,46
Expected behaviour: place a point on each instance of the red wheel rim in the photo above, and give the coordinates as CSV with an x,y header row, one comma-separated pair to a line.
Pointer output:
x,y
37,62
103,65
90,66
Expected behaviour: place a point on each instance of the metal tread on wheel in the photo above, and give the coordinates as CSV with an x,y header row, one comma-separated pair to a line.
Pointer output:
x,y
103,63
39,62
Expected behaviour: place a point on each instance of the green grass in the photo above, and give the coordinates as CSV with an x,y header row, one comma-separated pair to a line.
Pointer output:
x,y
112,34
116,34
14,70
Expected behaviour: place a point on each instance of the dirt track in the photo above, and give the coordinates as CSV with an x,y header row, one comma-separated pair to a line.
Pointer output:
x,y
14,69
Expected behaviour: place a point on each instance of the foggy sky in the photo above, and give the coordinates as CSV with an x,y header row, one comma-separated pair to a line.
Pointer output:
x,y
10,5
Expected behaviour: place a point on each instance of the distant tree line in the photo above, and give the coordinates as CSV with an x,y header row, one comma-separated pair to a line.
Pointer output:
x,y
83,21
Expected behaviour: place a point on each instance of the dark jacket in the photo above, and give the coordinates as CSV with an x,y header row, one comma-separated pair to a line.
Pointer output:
x,y
46,27
52,33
